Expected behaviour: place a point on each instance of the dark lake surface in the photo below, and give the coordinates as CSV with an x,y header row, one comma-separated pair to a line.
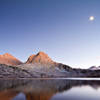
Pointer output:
x,y
50,89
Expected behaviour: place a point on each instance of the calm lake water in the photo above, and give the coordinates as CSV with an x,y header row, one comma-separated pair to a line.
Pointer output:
x,y
50,89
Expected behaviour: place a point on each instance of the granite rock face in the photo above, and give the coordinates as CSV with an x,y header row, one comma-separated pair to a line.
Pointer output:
x,y
43,66
8,59
13,72
40,66
40,58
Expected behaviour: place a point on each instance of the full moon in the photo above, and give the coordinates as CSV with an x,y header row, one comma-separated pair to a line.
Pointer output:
x,y
91,18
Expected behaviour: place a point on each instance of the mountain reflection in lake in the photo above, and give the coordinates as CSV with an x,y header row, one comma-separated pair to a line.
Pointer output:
x,y
49,89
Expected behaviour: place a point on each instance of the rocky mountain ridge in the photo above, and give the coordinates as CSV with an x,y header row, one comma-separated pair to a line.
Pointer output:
x,y
40,65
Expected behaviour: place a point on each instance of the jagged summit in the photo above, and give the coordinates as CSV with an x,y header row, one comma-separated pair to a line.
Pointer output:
x,y
42,53
7,55
8,59
40,57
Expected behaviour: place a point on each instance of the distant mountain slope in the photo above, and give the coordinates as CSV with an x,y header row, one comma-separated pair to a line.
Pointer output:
x,y
8,59
94,68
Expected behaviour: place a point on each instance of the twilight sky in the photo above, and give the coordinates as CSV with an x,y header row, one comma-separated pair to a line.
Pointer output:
x,y
61,28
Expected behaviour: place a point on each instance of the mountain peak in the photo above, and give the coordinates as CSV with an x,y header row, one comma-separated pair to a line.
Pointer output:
x,y
7,55
8,59
41,53
40,57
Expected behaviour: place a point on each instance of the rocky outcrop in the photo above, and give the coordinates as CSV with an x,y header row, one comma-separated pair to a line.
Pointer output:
x,y
39,65
13,72
8,59
40,58
43,66
30,59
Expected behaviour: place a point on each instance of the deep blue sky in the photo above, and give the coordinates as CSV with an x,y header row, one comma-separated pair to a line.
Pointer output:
x,y
61,28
